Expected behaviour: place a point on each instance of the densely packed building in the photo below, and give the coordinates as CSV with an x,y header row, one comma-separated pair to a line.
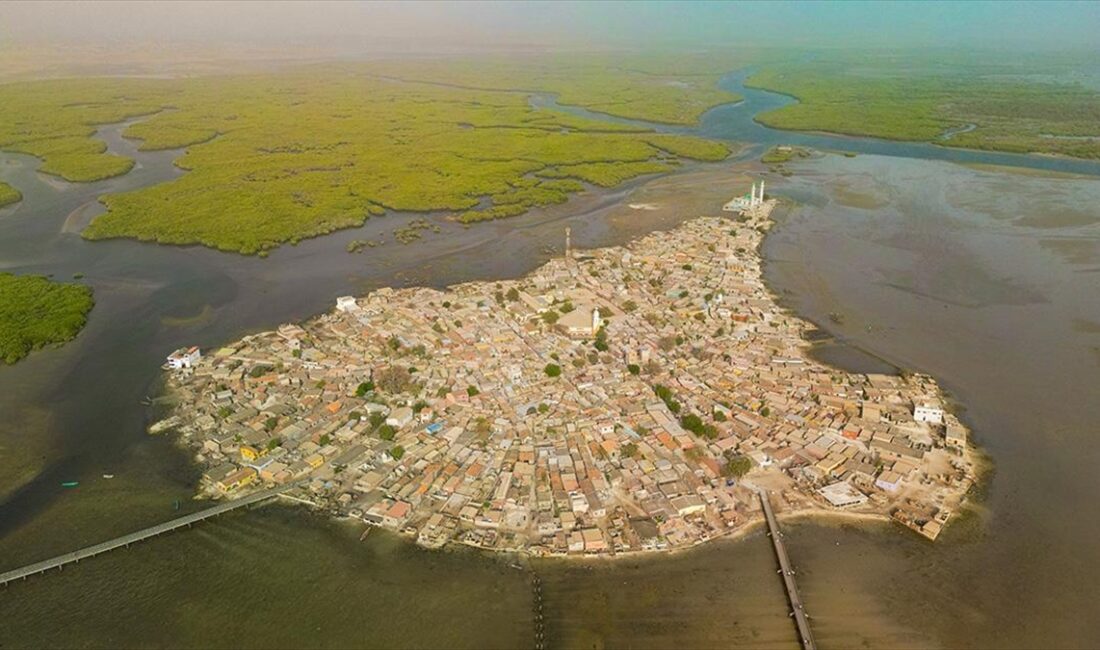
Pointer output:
x,y
613,400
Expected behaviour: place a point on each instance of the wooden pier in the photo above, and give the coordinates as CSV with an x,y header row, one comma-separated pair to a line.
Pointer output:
x,y
799,613
60,561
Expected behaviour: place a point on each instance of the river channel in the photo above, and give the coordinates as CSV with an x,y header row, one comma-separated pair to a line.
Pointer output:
x,y
987,278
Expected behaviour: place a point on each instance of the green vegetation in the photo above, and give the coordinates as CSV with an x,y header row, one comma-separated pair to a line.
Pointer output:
x,y
738,466
397,452
278,157
782,154
552,370
9,195
600,343
607,174
667,397
695,424
35,312
54,120
968,104
673,88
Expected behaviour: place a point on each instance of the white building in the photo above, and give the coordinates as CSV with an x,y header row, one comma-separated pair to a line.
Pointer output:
x,y
748,202
842,495
400,417
184,358
346,303
889,481
928,412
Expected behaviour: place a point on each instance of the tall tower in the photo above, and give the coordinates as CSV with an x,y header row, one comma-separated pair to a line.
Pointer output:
x,y
568,243
761,191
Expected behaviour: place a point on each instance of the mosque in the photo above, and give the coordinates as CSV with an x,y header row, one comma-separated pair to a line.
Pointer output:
x,y
748,202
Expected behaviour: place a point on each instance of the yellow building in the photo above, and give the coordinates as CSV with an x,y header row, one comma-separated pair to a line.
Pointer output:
x,y
237,480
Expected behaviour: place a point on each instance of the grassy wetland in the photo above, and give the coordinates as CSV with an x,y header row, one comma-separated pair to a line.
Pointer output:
x,y
274,158
988,106
9,195
36,312
671,88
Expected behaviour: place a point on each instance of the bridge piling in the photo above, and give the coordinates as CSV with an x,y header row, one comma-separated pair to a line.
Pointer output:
x,y
124,541
802,621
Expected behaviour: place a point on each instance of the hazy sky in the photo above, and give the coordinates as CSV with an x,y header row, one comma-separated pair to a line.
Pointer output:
x,y
432,25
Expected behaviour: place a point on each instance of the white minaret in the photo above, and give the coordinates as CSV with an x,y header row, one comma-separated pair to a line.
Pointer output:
x,y
752,196
568,244
761,191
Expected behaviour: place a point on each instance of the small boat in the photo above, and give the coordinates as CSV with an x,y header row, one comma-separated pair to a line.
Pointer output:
x,y
108,476
70,484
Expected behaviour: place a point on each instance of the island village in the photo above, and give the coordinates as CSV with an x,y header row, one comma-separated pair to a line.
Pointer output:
x,y
612,401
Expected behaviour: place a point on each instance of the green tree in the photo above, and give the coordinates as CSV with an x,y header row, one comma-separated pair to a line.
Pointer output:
x,y
552,370
666,396
692,423
738,466
36,312
397,452
386,432
601,340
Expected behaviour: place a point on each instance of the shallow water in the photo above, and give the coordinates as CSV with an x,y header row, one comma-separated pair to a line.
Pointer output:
x,y
951,280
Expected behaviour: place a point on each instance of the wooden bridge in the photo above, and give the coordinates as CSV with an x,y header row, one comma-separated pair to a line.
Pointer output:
x,y
800,618
60,561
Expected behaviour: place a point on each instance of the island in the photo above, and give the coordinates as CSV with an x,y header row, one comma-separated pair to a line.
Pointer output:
x,y
9,195
612,401
36,312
